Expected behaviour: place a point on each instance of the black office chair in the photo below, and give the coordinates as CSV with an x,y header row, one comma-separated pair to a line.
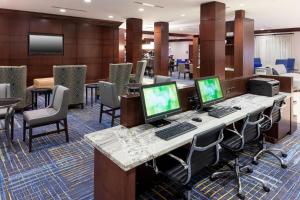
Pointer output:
x,y
273,116
233,144
204,152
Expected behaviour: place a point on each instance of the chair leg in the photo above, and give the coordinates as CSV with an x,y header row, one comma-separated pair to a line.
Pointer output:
x,y
30,139
113,118
184,75
101,112
57,127
66,129
86,96
178,75
24,130
12,125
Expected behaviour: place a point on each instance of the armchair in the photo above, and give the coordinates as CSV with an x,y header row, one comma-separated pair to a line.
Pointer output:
x,y
140,71
6,112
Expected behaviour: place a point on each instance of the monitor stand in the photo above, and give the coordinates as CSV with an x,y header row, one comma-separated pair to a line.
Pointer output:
x,y
207,108
160,123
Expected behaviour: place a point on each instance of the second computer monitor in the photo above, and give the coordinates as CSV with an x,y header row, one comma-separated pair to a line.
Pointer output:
x,y
209,90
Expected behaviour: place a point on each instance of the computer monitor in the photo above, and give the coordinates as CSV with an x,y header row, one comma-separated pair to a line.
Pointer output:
x,y
160,101
209,90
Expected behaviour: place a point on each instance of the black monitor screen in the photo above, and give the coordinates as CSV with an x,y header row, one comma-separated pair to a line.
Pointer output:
x,y
46,44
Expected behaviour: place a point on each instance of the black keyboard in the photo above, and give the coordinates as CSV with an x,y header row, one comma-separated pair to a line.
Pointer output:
x,y
175,131
221,112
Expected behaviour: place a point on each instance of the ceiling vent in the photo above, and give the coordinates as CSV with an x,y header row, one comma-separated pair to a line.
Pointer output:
x,y
148,4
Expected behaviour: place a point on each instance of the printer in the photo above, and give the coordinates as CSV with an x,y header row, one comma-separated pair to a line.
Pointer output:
x,y
263,86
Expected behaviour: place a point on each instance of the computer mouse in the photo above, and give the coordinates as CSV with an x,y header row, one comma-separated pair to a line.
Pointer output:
x,y
197,119
237,107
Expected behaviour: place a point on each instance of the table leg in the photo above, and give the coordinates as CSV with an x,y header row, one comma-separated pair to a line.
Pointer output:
x,y
36,97
32,100
46,99
86,95
92,96
111,182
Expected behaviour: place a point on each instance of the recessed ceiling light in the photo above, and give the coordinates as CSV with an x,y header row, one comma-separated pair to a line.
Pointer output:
x,y
62,10
110,16
262,29
182,15
242,5
87,1
141,9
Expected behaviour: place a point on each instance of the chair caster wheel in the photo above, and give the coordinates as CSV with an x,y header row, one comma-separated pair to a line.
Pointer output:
x,y
212,178
249,170
283,166
284,155
254,162
241,196
266,189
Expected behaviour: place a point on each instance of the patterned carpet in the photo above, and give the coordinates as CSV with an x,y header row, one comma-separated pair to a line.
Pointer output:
x,y
59,170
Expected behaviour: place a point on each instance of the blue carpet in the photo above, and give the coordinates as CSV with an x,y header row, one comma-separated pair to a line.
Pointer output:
x,y
59,170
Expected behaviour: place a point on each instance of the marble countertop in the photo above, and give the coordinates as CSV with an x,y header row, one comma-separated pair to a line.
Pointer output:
x,y
131,147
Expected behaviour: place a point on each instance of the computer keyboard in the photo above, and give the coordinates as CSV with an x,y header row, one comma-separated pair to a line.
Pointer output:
x,y
221,112
175,131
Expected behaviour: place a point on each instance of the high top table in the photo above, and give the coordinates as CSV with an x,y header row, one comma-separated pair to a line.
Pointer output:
x,y
119,151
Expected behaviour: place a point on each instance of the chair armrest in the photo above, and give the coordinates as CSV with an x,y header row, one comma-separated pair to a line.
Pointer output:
x,y
221,137
179,160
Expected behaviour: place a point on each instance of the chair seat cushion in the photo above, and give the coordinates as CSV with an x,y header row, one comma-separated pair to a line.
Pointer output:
x,y
231,142
177,173
41,116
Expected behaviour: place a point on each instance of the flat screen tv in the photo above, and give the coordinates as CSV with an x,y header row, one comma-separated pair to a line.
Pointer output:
x,y
45,44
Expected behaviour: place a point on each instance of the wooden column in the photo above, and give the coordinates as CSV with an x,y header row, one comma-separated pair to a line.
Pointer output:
x,y
122,44
196,64
134,36
212,39
243,44
161,46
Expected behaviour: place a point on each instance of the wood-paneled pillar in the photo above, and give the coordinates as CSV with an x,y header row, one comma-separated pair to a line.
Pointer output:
x,y
243,44
212,39
196,64
161,48
134,37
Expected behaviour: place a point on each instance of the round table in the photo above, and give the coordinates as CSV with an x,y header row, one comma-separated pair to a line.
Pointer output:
x,y
36,91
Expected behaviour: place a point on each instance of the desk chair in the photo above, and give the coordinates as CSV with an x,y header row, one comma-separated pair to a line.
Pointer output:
x,y
204,152
7,112
272,117
232,146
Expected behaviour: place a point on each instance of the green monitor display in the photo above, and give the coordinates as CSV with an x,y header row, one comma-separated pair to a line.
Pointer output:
x,y
209,90
160,101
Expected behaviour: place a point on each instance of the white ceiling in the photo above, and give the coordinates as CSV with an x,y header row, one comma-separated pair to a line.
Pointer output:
x,y
268,14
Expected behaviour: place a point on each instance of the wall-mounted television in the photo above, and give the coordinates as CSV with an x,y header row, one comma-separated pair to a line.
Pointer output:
x,y
45,44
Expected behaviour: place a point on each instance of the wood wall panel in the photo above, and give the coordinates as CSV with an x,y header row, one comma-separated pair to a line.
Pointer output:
x,y
86,41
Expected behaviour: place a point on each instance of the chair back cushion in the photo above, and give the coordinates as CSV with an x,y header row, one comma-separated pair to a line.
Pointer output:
x,y
162,79
16,76
60,100
191,68
279,69
181,67
120,74
108,94
72,77
276,110
140,71
198,159
249,131
4,90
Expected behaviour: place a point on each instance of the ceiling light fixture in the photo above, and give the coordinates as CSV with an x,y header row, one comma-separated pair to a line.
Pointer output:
x,y
242,5
141,9
62,10
148,4
87,1
110,17
182,15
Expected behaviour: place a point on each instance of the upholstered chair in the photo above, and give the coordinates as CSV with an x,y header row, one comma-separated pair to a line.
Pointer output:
x,y
109,98
140,71
72,77
120,74
6,112
161,79
16,76
182,69
54,114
